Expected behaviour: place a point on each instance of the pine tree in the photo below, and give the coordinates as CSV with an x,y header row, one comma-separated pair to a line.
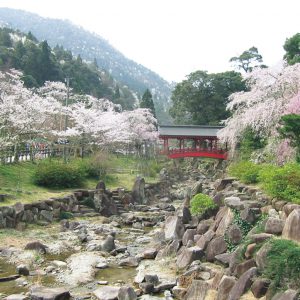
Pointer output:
x,y
147,102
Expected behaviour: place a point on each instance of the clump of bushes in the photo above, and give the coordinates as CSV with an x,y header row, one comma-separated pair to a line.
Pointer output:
x,y
96,166
65,215
202,204
58,175
280,182
246,171
88,201
283,264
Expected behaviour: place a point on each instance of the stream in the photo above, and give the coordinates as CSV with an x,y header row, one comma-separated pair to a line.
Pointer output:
x,y
134,240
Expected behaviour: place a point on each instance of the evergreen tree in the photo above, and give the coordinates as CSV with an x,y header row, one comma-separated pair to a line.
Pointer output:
x,y
147,102
292,48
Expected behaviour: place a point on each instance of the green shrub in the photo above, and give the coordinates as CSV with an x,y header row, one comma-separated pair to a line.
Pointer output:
x,y
283,264
57,175
244,226
88,201
246,171
202,204
250,142
65,215
282,182
96,166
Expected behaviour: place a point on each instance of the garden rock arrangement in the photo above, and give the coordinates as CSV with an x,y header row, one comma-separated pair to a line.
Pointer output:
x,y
230,253
158,247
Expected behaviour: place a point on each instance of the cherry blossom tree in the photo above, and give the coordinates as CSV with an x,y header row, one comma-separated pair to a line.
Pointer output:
x,y
27,114
271,93
24,115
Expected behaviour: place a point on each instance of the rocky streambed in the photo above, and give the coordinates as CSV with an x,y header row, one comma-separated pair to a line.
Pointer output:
x,y
157,250
90,258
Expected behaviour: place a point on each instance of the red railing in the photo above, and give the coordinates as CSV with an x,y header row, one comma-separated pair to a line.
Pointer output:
x,y
196,152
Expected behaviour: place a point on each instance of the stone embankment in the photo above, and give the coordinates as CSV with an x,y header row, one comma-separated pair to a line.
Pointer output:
x,y
155,249
80,203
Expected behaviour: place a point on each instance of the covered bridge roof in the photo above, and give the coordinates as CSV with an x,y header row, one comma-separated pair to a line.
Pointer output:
x,y
188,131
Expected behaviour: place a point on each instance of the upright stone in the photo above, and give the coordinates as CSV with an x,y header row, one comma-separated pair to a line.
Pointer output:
x,y
138,190
215,247
101,186
225,286
242,284
174,228
127,293
197,290
291,229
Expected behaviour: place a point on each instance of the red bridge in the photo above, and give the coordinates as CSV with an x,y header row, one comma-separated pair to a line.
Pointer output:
x,y
191,141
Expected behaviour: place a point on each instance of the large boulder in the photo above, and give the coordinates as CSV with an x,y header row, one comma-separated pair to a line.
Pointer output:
x,y
108,244
104,204
215,247
224,258
260,287
107,293
17,297
250,214
129,262
197,290
287,295
188,255
37,246
261,256
274,226
44,293
2,220
169,250
224,219
234,202
203,226
196,189
244,266
188,236
205,239
101,185
127,293
291,229
186,215
234,234
174,228
225,286
242,284
222,183
138,191
47,215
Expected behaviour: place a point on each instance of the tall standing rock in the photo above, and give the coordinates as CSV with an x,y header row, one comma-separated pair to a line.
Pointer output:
x,y
242,284
174,228
291,229
225,286
197,290
138,190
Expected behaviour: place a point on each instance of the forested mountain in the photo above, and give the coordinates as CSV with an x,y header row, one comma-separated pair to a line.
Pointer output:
x,y
91,47
39,63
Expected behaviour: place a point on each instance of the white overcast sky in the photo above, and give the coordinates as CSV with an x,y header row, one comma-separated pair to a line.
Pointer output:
x,y
176,37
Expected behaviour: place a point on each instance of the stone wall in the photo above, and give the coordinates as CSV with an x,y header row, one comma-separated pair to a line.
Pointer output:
x,y
47,211
41,212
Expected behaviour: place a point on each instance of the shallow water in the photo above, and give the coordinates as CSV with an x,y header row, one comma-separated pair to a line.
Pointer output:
x,y
9,286
115,274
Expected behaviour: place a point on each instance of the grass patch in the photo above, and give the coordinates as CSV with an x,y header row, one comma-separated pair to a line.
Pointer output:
x,y
16,180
